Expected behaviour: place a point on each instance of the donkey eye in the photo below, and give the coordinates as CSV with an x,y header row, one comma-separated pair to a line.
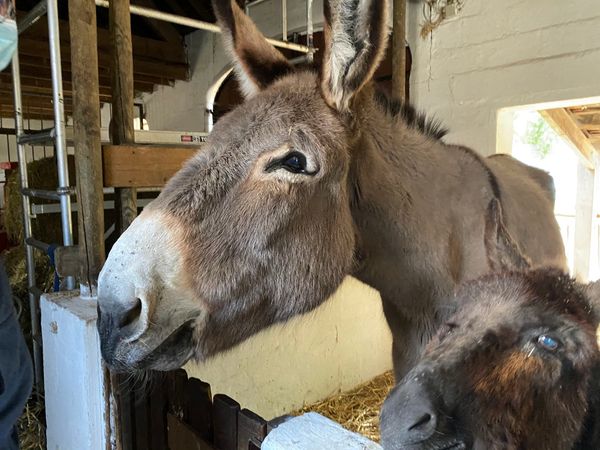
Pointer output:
x,y
294,162
548,342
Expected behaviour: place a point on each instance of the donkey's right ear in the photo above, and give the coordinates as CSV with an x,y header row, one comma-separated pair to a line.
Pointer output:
x,y
356,35
256,62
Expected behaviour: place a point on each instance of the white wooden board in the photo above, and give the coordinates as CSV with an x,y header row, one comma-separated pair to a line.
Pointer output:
x,y
312,431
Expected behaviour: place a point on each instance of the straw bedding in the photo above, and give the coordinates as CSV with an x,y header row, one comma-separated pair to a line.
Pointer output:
x,y
357,410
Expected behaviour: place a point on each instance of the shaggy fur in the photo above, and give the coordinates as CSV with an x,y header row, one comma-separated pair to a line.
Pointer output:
x,y
237,242
485,382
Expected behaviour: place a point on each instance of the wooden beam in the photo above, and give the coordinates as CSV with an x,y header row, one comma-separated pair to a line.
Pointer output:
x,y
122,105
590,126
140,166
141,46
41,76
86,134
565,126
399,50
142,65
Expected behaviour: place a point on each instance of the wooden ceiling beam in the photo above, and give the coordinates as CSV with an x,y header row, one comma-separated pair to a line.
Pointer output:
x,y
141,65
142,46
31,64
565,125
41,76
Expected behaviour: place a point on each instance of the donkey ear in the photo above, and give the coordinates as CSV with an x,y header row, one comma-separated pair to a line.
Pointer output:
x,y
355,38
503,252
256,62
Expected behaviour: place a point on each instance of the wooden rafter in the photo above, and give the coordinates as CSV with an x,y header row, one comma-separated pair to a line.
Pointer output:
x,y
562,121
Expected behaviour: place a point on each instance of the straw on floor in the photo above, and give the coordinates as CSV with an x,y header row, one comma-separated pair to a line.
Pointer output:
x,y
357,410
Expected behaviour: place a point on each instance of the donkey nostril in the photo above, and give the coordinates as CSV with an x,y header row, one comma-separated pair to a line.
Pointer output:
x,y
132,315
421,422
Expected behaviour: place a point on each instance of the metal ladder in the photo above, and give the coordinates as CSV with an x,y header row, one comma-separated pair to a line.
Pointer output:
x,y
55,135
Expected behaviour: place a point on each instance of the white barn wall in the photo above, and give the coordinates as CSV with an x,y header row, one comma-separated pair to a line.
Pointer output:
x,y
503,53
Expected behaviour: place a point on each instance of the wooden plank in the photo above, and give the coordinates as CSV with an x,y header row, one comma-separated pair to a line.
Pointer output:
x,y
200,408
590,126
399,50
183,437
225,412
178,400
565,126
141,413
122,105
158,416
86,133
143,165
252,429
142,46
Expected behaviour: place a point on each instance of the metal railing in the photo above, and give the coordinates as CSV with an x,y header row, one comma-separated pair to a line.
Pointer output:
x,y
63,192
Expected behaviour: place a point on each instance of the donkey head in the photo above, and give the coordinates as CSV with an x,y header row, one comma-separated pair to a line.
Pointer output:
x,y
512,369
257,227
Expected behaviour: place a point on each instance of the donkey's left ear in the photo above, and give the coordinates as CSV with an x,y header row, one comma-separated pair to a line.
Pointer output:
x,y
356,35
256,62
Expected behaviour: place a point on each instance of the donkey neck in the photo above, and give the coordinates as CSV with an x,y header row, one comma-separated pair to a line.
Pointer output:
x,y
393,202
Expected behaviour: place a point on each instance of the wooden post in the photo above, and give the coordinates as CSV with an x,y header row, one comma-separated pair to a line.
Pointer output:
x,y
122,101
121,130
86,125
399,50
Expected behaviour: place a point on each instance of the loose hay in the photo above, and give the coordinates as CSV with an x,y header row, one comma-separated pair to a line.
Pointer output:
x,y
357,410
31,426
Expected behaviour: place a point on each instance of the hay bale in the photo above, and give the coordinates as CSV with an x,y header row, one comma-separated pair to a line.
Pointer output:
x,y
42,174
357,410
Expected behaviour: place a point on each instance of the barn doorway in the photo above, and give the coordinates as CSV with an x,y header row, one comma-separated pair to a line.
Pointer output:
x,y
564,140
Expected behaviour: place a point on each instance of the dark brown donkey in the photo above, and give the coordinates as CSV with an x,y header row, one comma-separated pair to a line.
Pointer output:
x,y
516,368
314,177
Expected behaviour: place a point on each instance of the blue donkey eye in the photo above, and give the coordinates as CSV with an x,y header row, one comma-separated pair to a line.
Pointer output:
x,y
547,342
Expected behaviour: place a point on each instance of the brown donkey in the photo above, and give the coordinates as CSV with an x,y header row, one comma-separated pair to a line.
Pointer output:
x,y
516,367
314,177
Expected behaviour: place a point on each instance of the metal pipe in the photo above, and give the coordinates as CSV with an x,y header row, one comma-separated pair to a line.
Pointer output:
x,y
211,95
198,24
284,33
309,31
35,243
30,261
254,3
59,125
33,16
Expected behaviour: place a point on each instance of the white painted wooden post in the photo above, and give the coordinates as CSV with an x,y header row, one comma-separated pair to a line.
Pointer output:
x,y
584,210
505,131
76,412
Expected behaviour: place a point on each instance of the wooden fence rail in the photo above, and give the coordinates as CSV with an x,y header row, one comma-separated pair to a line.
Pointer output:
x,y
179,413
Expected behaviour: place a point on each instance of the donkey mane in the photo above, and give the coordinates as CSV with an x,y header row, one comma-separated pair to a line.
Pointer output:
x,y
408,113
